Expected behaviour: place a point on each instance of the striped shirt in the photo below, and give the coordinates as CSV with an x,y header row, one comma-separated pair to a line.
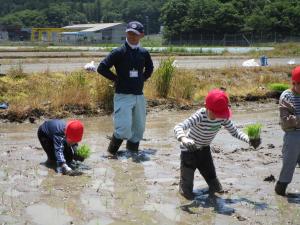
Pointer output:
x,y
293,99
203,130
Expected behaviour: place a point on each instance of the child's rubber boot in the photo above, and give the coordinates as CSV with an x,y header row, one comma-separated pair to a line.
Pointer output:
x,y
280,188
214,186
186,183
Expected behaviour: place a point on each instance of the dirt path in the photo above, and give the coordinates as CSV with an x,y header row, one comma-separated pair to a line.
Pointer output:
x,y
143,190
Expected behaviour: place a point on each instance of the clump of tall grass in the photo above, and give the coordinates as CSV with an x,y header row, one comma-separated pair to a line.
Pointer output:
x,y
183,85
163,77
17,72
278,87
83,151
104,93
253,130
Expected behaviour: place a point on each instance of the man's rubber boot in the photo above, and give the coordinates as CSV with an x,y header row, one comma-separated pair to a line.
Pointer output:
x,y
215,186
131,146
114,145
280,188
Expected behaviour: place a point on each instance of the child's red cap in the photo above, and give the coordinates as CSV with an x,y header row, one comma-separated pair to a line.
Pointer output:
x,y
217,101
74,131
296,74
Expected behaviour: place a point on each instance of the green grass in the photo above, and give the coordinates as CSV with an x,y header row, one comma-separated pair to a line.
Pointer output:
x,y
163,77
253,130
278,86
83,151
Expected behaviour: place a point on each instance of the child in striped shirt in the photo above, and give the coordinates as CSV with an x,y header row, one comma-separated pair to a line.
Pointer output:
x,y
202,128
289,108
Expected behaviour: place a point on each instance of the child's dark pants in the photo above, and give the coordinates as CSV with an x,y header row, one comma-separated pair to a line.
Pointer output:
x,y
192,160
48,147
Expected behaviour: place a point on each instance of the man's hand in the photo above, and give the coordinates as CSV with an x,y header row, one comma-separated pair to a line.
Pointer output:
x,y
255,142
188,143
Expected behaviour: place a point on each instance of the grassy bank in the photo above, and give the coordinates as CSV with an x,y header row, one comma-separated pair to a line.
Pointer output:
x,y
59,94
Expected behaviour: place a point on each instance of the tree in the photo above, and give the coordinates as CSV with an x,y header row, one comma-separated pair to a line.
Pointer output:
x,y
173,14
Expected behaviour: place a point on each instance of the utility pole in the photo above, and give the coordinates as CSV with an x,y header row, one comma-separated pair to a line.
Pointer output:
x,y
147,24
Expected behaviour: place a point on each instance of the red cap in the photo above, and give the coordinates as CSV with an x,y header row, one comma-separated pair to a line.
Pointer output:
x,y
74,131
217,101
296,74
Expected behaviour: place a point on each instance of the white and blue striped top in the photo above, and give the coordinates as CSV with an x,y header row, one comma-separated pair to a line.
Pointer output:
x,y
203,130
292,98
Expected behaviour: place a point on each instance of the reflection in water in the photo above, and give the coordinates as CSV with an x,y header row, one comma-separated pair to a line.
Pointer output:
x,y
45,215
219,204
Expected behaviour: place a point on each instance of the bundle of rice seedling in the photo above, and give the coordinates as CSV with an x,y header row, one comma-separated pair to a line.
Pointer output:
x,y
83,151
278,87
253,130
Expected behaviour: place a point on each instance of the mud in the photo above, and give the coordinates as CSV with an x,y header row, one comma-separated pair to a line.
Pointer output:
x,y
142,189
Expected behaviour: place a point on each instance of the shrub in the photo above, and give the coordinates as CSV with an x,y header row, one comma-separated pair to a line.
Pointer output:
x,y
253,130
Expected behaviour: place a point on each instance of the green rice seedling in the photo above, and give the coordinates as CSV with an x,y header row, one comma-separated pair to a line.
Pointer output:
x,y
83,151
278,86
253,130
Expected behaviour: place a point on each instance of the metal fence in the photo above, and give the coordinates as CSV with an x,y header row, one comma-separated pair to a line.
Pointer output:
x,y
240,39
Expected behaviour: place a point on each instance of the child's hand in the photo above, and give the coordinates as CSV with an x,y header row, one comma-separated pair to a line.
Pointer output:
x,y
188,143
64,169
255,142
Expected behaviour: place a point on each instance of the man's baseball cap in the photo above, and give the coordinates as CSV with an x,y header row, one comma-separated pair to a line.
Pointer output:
x,y
217,101
296,74
135,27
74,131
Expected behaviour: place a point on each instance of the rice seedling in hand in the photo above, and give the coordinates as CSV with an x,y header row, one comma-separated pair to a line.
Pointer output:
x,y
253,131
83,152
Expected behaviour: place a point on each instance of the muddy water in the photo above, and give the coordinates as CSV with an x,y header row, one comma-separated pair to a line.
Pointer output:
x,y
142,189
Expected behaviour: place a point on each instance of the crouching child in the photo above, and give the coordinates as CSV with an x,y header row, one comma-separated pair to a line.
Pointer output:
x,y
60,140
202,127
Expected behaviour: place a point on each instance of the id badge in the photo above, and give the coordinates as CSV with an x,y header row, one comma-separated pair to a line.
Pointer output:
x,y
133,73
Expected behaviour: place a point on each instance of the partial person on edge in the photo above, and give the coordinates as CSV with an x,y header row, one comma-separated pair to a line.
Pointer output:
x,y
289,108
202,128
133,65
60,140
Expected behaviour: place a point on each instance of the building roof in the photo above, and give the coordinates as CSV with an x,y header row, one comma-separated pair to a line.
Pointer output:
x,y
91,27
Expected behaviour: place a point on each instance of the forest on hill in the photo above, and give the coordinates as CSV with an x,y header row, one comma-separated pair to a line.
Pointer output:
x,y
179,17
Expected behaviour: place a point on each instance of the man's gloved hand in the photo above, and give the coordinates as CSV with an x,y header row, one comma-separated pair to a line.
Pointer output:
x,y
255,142
64,169
188,143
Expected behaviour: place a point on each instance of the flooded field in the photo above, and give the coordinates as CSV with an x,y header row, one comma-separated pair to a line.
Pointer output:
x,y
143,189
70,61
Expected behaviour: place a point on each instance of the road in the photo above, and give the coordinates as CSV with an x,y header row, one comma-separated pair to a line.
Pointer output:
x,y
70,61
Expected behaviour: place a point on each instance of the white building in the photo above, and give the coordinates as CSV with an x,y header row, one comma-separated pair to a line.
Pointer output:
x,y
95,33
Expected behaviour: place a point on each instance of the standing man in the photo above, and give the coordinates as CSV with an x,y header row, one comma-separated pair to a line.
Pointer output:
x,y
133,65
